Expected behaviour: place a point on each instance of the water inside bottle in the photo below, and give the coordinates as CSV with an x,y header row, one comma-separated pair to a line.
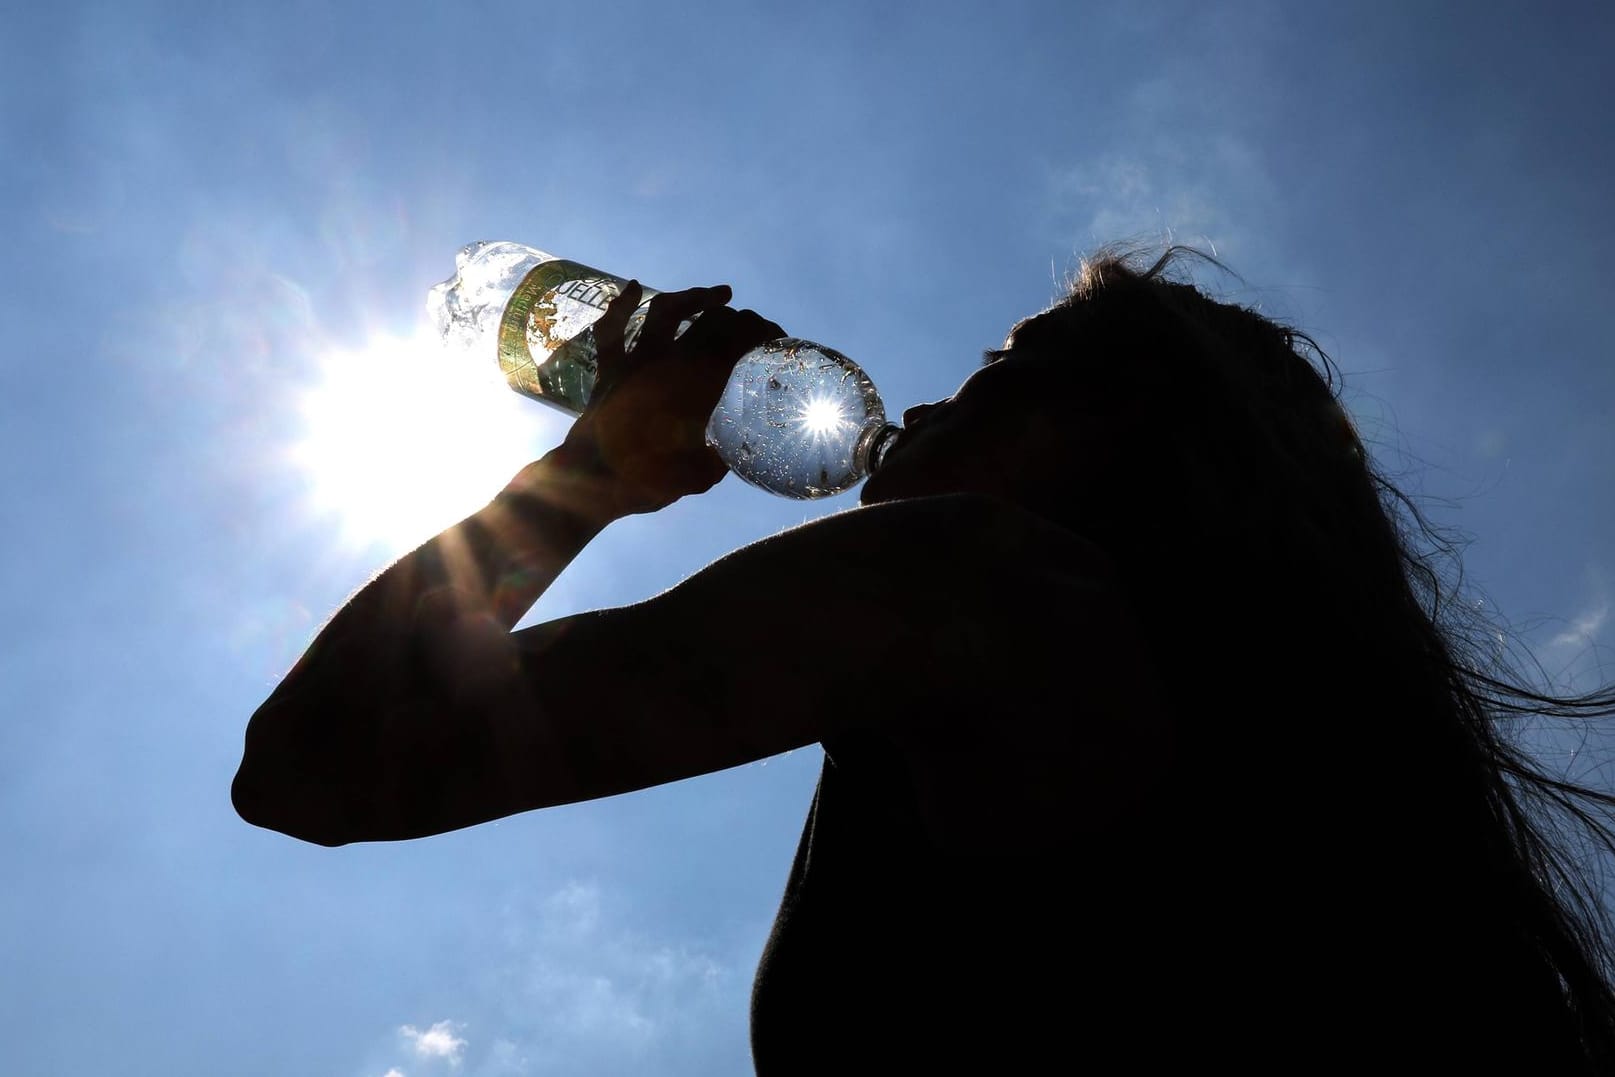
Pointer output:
x,y
796,419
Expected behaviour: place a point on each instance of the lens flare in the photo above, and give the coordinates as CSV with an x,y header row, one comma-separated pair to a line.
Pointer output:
x,y
403,438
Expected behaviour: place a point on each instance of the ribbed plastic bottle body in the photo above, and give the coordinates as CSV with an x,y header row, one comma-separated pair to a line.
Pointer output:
x,y
546,336
538,310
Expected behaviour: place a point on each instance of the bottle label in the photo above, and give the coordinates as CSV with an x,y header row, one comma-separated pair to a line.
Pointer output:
x,y
546,341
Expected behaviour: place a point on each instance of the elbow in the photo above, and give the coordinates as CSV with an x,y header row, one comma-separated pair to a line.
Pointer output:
x,y
265,802
287,780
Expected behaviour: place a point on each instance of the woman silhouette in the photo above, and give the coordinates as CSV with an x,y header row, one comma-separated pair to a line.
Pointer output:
x,y
1164,750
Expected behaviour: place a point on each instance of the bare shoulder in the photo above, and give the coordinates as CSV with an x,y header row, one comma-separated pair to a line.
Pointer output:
x,y
946,584
965,543
970,583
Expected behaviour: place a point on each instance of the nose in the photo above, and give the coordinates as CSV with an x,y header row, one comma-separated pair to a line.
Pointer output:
x,y
916,413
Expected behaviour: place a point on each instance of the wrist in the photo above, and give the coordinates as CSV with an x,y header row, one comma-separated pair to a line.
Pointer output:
x,y
577,460
567,488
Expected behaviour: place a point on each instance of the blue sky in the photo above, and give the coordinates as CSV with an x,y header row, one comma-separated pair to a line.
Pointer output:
x,y
223,218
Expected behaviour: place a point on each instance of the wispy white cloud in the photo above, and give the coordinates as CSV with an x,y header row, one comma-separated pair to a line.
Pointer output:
x,y
505,1059
1175,172
439,1041
1572,660
1118,196
1584,628
575,986
1574,654
584,991
603,981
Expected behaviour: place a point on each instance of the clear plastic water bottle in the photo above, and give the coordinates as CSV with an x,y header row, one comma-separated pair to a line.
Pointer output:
x,y
796,419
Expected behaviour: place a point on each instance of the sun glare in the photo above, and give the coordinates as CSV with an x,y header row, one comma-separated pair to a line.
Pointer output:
x,y
821,416
402,438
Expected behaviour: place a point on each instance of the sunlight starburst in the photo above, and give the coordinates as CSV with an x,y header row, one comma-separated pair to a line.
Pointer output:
x,y
822,417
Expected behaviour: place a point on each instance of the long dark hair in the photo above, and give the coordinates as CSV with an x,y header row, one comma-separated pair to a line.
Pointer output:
x,y
1248,497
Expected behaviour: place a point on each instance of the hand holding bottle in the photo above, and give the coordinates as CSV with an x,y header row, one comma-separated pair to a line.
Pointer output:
x,y
796,418
642,435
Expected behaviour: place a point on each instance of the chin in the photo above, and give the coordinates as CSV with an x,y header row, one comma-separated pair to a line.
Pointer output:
x,y
887,484
895,482
875,493
872,493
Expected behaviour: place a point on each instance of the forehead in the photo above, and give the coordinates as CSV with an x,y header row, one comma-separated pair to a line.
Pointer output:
x,y
1047,329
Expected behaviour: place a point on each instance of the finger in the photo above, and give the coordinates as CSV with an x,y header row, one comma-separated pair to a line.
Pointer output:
x,y
611,326
760,326
671,308
730,333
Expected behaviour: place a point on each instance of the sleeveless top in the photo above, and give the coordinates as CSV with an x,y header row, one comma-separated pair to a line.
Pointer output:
x,y
1148,949
888,955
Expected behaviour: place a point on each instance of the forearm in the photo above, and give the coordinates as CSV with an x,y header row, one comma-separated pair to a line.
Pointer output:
x,y
499,561
379,688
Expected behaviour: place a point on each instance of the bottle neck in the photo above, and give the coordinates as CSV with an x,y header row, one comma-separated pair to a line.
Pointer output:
x,y
873,446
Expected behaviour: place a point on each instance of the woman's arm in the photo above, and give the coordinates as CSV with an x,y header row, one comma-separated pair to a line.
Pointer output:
x,y
922,616
320,752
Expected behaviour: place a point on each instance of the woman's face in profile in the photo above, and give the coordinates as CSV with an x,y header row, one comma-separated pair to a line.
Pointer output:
x,y
998,431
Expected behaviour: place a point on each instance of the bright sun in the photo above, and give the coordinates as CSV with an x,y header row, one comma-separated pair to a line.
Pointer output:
x,y
821,416
403,438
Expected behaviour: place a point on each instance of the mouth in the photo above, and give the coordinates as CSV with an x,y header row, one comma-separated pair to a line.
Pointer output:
x,y
876,446
896,448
